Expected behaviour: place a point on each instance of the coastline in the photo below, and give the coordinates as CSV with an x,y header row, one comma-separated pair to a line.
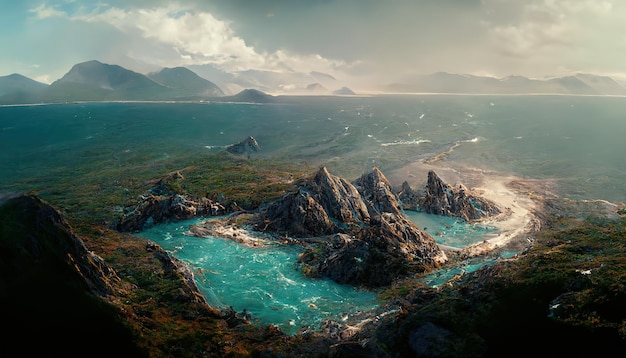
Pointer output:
x,y
518,198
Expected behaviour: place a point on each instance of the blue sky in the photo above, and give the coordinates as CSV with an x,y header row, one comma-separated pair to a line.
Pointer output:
x,y
367,40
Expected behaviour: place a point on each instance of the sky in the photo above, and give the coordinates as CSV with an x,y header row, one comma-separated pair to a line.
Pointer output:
x,y
366,41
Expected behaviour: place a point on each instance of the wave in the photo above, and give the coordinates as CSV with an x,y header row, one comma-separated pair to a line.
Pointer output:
x,y
406,142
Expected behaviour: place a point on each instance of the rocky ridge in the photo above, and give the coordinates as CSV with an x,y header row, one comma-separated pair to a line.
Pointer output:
x,y
365,238
162,204
443,199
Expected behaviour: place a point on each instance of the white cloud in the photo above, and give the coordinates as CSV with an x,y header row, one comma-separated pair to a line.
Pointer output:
x,y
196,37
43,12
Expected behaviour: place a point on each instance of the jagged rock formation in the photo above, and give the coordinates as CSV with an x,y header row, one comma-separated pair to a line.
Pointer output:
x,y
245,147
161,204
409,198
369,241
443,199
323,205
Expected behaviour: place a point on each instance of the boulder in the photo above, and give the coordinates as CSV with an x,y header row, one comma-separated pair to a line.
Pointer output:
x,y
409,198
245,147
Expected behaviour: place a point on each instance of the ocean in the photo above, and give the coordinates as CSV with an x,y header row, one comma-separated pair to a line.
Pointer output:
x,y
573,144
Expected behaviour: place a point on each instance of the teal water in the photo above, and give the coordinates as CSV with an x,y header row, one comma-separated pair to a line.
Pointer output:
x,y
450,231
264,281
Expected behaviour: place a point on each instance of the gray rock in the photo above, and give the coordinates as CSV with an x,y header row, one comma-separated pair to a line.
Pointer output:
x,y
443,199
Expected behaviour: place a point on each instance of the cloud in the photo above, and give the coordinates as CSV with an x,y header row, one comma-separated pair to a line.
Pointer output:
x,y
366,40
197,37
44,11
554,34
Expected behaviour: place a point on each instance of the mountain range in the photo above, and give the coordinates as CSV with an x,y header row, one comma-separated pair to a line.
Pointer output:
x,y
443,82
96,81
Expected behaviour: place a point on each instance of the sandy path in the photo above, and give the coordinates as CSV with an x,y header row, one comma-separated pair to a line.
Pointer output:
x,y
516,224
512,228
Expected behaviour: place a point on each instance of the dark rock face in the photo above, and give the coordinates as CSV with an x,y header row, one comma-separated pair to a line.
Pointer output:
x,y
323,205
443,199
390,247
49,277
369,240
245,147
155,209
376,190
161,204
409,198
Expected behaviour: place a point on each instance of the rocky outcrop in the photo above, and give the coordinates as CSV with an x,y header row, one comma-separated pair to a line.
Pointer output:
x,y
245,147
389,248
162,204
443,199
323,205
367,238
409,198
376,191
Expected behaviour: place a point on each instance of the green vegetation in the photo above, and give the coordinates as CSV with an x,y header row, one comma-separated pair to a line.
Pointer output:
x,y
96,192
564,296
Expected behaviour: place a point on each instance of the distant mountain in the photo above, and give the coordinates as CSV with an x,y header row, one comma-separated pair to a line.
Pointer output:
x,y
275,82
249,95
442,82
344,91
94,81
186,83
316,88
15,89
97,81
604,84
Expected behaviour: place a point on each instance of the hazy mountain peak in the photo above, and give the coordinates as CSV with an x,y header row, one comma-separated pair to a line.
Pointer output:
x,y
16,88
187,82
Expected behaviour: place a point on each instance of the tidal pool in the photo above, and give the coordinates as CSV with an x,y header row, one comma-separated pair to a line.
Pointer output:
x,y
264,281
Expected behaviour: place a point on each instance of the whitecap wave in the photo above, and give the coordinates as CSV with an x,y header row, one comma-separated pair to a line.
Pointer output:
x,y
473,140
406,142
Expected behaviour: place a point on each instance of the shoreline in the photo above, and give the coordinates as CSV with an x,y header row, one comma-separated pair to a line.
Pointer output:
x,y
516,196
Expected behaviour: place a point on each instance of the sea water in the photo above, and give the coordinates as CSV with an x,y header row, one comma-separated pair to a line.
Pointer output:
x,y
263,281
575,141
